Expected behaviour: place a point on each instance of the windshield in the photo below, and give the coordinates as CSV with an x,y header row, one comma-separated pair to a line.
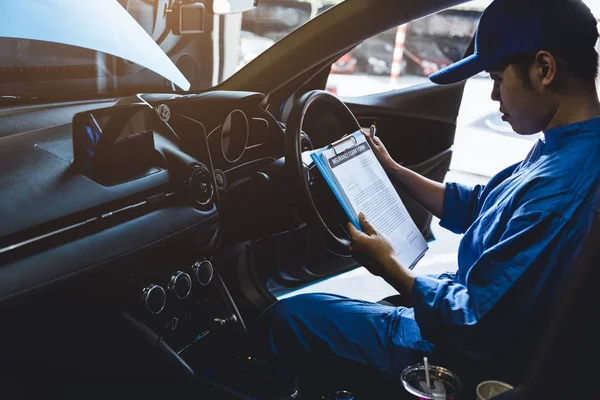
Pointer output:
x,y
85,48
53,50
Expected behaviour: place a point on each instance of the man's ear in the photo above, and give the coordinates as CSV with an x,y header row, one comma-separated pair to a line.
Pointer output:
x,y
545,68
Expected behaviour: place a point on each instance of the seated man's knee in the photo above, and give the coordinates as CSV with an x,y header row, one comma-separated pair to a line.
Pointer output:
x,y
283,318
298,305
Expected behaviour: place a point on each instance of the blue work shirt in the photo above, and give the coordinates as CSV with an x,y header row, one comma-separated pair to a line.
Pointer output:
x,y
521,231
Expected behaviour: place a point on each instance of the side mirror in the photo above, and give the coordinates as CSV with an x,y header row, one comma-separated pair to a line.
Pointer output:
x,y
224,7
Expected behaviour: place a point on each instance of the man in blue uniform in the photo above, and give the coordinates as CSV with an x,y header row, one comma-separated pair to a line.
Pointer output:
x,y
521,230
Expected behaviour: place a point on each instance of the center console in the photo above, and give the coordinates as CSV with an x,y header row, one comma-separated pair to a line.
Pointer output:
x,y
189,310
182,298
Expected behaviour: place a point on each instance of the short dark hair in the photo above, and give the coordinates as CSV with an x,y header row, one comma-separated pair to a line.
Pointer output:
x,y
580,63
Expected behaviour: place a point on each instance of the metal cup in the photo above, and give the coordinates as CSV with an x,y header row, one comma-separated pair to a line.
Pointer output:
x,y
343,395
489,389
444,384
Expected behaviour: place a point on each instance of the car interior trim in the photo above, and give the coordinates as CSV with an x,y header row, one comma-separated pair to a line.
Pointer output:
x,y
71,227
103,248
213,131
253,162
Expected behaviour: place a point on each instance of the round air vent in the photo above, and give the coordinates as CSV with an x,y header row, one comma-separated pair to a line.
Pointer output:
x,y
201,185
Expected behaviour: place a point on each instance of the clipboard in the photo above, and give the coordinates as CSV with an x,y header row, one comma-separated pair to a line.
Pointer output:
x,y
360,183
342,140
321,164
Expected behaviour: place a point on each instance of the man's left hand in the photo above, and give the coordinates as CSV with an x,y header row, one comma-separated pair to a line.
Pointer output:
x,y
371,248
375,252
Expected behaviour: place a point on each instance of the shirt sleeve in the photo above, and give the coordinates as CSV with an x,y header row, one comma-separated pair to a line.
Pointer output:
x,y
526,242
461,204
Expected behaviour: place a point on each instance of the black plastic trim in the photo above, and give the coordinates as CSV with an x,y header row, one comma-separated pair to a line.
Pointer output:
x,y
87,253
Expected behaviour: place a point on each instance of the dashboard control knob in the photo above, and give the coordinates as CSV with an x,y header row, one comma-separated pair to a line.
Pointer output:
x,y
154,298
180,285
203,271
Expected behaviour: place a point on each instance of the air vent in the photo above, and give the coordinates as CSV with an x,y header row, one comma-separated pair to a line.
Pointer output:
x,y
201,185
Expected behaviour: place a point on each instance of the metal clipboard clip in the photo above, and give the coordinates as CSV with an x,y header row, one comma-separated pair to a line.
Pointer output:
x,y
342,140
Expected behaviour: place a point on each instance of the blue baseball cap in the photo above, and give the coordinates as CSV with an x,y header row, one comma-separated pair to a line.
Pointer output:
x,y
512,27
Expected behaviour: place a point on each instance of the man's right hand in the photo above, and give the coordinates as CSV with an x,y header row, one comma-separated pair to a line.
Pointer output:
x,y
381,152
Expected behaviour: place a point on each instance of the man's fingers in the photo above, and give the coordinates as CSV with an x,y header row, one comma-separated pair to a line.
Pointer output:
x,y
353,231
365,225
355,234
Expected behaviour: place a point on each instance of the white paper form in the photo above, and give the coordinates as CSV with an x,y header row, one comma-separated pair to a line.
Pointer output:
x,y
368,189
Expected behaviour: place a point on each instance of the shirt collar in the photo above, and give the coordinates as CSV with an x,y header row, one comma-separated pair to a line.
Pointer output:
x,y
556,137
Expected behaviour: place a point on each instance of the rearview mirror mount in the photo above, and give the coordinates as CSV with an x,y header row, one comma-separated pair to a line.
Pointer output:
x,y
186,18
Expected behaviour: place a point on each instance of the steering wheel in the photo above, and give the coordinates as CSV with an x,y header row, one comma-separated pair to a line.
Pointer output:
x,y
298,166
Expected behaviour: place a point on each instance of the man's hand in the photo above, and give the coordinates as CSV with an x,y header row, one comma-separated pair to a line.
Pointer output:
x,y
369,247
376,253
380,152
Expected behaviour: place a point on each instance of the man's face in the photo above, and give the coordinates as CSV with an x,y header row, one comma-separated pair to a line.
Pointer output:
x,y
524,107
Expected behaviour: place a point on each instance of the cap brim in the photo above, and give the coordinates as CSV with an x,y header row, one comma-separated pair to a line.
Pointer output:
x,y
464,69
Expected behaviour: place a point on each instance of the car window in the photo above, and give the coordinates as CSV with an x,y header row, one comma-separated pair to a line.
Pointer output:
x,y
406,55
269,22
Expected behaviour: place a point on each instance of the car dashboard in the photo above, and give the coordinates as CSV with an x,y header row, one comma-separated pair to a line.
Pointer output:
x,y
146,244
